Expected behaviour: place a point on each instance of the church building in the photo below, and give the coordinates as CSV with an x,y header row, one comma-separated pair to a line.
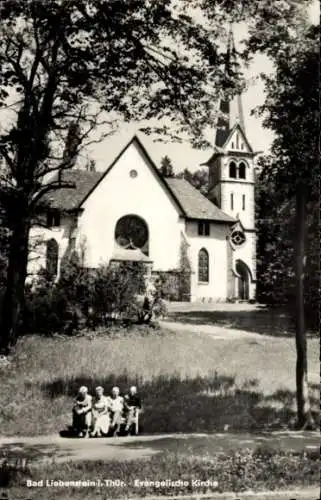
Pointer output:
x,y
130,212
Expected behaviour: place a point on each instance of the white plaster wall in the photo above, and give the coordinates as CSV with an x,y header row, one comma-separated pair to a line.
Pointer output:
x,y
215,244
246,216
37,243
247,253
117,195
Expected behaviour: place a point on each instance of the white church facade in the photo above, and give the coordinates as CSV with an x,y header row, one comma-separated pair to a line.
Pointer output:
x,y
130,212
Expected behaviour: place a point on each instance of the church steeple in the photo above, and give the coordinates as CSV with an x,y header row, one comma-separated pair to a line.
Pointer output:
x,y
231,109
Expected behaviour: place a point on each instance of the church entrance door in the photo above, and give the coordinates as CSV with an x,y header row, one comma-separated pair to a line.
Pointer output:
x,y
242,281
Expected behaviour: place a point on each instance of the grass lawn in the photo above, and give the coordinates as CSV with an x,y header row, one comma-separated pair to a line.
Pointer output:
x,y
168,474
188,382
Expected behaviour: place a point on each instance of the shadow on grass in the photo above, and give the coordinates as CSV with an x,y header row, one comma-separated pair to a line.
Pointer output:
x,y
200,404
263,320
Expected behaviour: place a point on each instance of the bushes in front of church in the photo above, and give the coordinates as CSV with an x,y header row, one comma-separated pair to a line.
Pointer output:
x,y
83,298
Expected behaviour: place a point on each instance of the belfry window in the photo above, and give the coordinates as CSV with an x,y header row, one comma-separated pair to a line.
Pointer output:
x,y
232,170
242,170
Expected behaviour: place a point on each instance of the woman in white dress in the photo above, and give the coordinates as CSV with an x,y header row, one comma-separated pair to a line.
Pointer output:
x,y
116,410
100,413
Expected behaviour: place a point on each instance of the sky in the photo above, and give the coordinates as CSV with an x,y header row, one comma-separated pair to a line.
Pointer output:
x,y
183,155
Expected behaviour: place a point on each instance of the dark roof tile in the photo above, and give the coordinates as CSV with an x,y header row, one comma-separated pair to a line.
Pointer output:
x,y
195,204
70,198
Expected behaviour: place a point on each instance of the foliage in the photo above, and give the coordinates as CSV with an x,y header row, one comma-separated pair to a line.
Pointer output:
x,y
83,297
169,284
291,108
275,218
198,178
166,168
57,59
116,288
292,96
190,474
275,241
174,285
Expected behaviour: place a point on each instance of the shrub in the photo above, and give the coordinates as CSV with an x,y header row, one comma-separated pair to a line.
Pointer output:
x,y
83,297
116,287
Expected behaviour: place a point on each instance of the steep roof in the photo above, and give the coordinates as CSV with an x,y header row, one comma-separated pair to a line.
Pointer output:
x,y
195,204
223,124
70,198
192,204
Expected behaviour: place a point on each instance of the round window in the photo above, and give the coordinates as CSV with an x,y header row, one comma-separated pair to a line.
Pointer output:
x,y
131,232
238,238
133,173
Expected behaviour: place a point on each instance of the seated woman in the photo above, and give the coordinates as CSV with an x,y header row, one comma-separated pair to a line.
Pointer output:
x,y
116,409
81,412
133,406
100,413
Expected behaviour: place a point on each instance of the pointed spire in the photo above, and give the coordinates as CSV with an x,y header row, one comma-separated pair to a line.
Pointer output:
x,y
232,109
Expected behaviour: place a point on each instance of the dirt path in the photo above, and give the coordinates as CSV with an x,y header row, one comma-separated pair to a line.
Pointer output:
x,y
218,332
41,449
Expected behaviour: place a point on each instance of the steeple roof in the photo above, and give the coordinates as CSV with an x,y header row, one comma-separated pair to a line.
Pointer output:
x,y
231,110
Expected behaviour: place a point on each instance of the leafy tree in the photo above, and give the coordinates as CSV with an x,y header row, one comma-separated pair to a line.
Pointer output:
x,y
63,63
72,143
166,168
274,214
291,109
198,178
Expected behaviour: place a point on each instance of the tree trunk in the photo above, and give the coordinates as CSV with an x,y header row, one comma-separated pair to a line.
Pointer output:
x,y
13,300
304,417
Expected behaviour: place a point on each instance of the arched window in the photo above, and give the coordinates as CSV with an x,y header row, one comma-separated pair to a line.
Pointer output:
x,y
242,170
203,266
131,232
232,170
52,257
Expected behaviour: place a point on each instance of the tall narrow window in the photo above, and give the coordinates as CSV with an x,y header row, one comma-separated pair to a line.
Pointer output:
x,y
53,218
52,257
243,201
203,266
203,228
237,141
232,201
232,170
242,170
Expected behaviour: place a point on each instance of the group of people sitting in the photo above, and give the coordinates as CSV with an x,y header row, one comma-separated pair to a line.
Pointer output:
x,y
99,415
